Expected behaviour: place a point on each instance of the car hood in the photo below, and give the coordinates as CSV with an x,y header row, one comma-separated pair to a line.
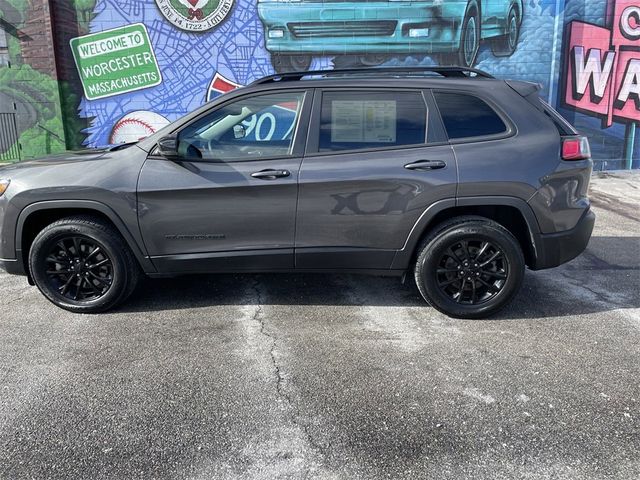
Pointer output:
x,y
62,158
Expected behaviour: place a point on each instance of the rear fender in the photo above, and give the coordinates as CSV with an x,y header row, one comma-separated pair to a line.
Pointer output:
x,y
405,256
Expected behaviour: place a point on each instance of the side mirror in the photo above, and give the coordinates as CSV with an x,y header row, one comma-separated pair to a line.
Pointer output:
x,y
168,147
239,131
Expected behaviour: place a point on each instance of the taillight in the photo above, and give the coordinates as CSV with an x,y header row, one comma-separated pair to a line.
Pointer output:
x,y
575,148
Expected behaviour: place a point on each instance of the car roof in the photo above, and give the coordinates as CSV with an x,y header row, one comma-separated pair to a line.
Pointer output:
x,y
409,77
373,81
448,72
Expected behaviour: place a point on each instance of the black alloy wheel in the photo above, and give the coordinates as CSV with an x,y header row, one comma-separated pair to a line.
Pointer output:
x,y
469,267
83,264
472,271
79,269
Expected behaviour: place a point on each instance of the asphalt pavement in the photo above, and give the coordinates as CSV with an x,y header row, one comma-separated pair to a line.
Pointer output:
x,y
334,376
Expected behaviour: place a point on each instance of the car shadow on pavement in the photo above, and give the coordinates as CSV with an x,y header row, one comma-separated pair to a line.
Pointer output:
x,y
604,278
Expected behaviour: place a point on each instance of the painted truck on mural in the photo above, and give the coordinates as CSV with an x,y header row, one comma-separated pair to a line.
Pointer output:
x,y
374,31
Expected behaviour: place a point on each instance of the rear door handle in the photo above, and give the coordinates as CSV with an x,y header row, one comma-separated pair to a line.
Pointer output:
x,y
270,174
426,165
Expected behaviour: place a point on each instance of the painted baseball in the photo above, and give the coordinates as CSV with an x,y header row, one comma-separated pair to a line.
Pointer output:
x,y
135,126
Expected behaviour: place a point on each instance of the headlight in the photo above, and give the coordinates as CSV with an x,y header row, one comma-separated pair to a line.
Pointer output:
x,y
4,184
276,32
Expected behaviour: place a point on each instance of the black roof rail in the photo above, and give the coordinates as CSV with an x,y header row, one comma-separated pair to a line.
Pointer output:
x,y
458,72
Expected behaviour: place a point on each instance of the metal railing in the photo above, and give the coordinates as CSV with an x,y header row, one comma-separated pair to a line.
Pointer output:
x,y
9,146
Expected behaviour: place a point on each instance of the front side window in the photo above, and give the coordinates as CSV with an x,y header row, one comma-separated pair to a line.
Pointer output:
x,y
250,128
352,120
466,116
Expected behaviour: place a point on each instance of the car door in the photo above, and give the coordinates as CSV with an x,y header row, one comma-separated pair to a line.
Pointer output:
x,y
376,159
227,202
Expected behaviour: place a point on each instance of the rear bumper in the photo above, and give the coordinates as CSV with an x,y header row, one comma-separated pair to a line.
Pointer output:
x,y
348,28
554,249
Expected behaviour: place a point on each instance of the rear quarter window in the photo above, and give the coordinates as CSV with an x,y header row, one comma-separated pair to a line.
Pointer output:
x,y
467,116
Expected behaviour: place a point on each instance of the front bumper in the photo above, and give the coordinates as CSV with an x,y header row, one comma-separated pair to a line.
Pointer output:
x,y
357,28
554,249
12,266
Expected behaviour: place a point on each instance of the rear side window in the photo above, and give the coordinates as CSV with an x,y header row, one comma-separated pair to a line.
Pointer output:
x,y
466,116
351,120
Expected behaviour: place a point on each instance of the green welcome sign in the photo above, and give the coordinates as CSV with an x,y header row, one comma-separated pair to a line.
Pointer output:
x,y
116,61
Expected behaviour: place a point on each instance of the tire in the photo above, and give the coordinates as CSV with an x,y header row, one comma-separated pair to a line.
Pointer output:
x,y
481,290
469,42
505,45
290,63
83,265
372,59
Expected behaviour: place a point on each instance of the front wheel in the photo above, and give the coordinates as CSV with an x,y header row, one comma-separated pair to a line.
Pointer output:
x,y
83,265
470,267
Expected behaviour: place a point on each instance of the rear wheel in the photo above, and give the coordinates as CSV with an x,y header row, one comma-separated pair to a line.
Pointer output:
x,y
469,41
470,267
505,45
283,63
83,265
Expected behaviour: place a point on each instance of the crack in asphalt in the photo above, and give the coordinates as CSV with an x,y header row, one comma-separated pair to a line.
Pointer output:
x,y
258,316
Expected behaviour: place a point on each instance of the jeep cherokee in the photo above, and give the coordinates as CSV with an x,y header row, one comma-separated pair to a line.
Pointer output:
x,y
446,173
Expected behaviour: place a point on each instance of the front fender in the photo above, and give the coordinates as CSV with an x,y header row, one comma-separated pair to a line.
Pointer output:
x,y
131,236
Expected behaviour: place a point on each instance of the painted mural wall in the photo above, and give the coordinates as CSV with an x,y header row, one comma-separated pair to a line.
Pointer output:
x,y
87,73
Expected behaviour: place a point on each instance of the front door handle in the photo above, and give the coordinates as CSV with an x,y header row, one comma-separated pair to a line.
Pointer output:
x,y
426,165
270,174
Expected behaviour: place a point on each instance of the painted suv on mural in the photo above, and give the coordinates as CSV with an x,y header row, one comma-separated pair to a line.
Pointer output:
x,y
374,31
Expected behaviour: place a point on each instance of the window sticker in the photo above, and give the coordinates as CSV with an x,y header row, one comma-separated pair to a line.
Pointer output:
x,y
372,121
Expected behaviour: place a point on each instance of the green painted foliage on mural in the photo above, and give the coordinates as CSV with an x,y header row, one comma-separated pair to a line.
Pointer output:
x,y
42,130
20,5
84,11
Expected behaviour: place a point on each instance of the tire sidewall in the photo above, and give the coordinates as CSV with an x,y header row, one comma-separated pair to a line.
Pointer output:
x,y
501,46
472,12
437,247
512,48
41,248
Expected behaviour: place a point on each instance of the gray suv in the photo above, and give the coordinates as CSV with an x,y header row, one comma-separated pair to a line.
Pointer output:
x,y
446,174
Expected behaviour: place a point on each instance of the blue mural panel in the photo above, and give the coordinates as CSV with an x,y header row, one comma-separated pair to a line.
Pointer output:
x,y
207,47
